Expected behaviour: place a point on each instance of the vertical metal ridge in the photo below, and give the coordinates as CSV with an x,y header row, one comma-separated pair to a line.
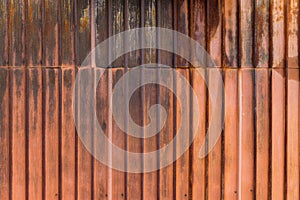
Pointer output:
x,y
25,61
58,34
43,59
9,37
27,131
10,131
60,134
270,131
238,19
24,22
254,79
43,134
254,39
270,39
240,135
75,17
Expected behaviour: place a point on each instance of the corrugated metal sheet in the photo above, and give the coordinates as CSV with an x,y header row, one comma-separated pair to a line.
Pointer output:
x,y
255,46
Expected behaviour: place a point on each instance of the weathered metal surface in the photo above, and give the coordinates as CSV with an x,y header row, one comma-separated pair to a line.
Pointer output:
x,y
214,29
262,133
246,10
18,134
278,125
246,96
68,136
261,31
231,135
35,133
16,33
5,134
3,33
33,31
230,27
42,46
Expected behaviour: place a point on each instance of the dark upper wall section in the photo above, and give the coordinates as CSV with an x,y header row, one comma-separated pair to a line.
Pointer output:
x,y
261,33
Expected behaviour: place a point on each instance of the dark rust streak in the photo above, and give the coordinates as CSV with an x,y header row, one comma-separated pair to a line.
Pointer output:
x,y
3,32
68,80
214,16
3,86
52,93
34,82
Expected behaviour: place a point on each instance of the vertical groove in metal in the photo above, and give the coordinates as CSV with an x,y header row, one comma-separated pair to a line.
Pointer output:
x,y
59,53
175,27
93,71
126,99
142,51
190,150
26,104
158,101
223,141
206,98
75,53
222,7
286,92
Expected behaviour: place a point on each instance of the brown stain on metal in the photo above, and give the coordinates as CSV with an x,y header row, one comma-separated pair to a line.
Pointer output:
x,y
35,86
50,28
214,16
52,93
261,34
68,78
229,60
19,75
197,22
3,33
84,19
33,33
16,32
3,86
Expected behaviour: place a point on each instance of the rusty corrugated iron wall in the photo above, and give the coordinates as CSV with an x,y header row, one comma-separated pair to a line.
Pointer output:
x,y
255,46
